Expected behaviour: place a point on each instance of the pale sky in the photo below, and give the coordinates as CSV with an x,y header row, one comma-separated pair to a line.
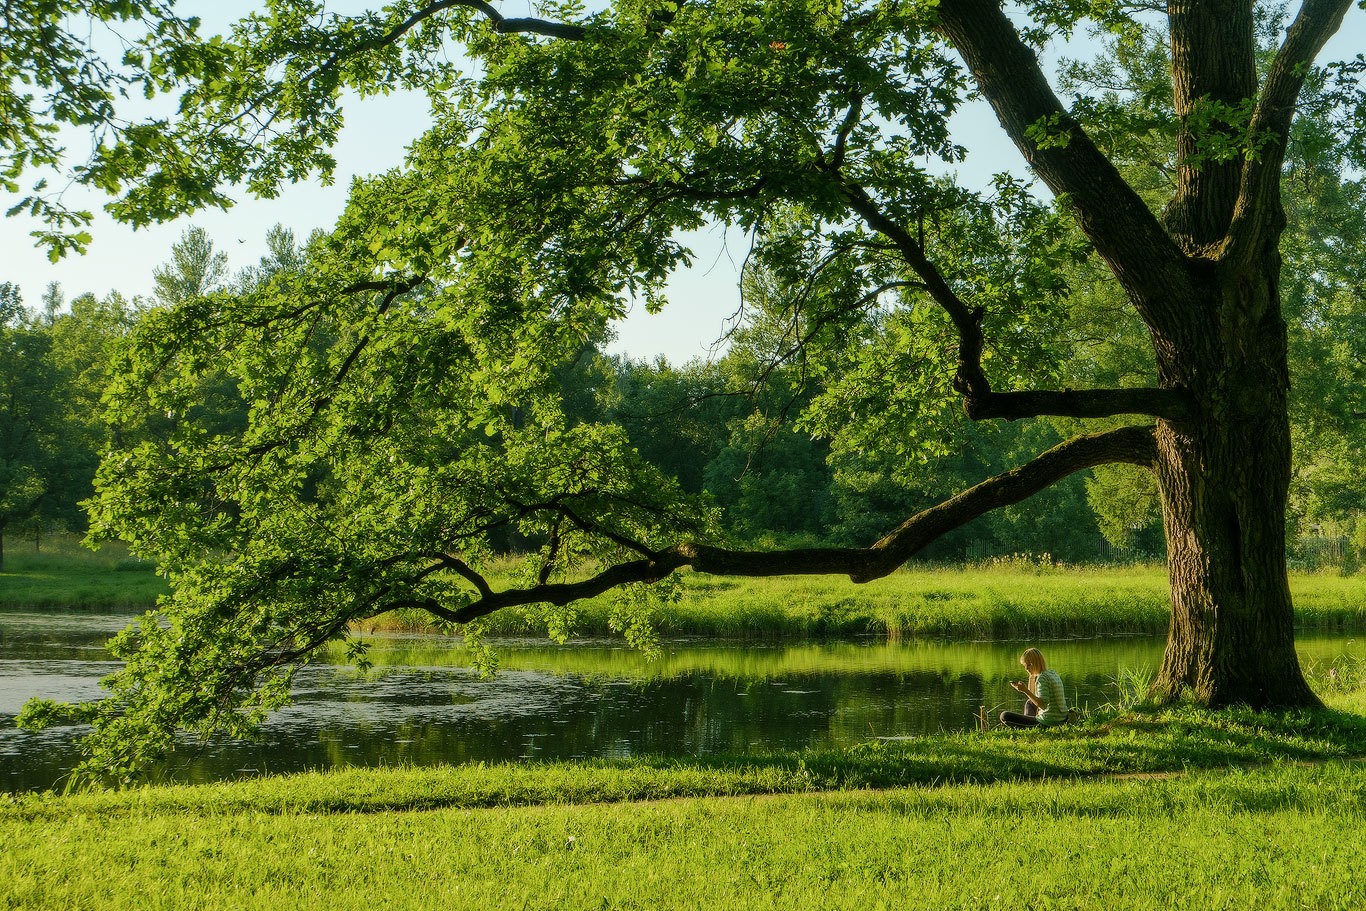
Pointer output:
x,y
376,135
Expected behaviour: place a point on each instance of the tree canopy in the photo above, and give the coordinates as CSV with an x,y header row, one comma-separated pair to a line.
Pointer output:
x,y
403,381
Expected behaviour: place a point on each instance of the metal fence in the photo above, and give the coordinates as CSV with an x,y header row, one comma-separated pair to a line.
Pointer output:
x,y
1313,553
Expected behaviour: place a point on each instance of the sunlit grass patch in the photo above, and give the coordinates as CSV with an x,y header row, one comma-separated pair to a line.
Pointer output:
x,y
991,601
1008,599
937,822
65,575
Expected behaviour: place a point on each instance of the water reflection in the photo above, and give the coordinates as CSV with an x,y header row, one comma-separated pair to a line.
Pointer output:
x,y
423,705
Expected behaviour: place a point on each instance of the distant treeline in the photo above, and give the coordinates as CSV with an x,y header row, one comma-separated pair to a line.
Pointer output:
x,y
724,427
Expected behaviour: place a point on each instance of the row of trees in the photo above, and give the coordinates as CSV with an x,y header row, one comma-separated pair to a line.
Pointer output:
x,y
56,363
54,366
711,425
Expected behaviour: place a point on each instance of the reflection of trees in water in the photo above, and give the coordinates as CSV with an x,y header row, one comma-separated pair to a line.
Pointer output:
x,y
35,760
424,718
699,700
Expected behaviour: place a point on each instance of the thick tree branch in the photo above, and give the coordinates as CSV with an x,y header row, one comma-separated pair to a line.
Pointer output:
x,y
1214,76
851,120
566,592
911,251
1260,186
1134,445
1170,404
1145,259
969,380
462,569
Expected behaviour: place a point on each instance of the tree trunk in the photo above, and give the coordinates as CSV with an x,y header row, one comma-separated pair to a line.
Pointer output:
x,y
1205,281
1224,476
1225,473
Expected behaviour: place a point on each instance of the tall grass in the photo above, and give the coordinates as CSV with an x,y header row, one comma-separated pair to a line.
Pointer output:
x,y
1133,685
1006,599
1000,601
63,574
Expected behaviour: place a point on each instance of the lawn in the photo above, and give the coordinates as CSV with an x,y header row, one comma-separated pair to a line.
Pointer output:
x,y
1263,810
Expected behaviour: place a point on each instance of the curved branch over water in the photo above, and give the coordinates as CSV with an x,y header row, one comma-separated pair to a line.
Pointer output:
x,y
1133,445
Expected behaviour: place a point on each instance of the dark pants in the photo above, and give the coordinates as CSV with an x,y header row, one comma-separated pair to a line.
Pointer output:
x,y
1015,720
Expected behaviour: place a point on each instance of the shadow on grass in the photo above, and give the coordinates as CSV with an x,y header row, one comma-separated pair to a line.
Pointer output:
x,y
1145,741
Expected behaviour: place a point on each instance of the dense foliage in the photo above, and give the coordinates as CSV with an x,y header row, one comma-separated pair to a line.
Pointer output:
x,y
54,367
367,426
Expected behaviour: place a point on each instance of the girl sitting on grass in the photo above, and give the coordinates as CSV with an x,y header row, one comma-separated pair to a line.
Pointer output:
x,y
1045,700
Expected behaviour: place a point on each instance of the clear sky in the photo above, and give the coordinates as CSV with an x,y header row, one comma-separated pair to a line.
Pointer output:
x,y
376,135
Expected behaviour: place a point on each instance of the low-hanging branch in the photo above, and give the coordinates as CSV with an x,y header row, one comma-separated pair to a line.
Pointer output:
x,y
1132,445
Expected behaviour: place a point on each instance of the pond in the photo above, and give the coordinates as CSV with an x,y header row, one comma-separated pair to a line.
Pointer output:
x,y
422,704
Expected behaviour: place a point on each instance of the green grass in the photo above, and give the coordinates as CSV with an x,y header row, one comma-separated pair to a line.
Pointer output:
x,y
66,575
1010,601
1279,838
1013,600
1265,812
935,822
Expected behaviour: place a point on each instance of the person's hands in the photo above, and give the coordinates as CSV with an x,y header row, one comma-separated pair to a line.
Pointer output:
x,y
1017,685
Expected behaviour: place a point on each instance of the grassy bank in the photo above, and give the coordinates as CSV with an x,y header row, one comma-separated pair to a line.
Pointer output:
x,y
1009,601
1015,600
936,822
66,575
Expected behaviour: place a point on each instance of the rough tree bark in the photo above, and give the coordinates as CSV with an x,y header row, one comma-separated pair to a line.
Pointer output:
x,y
1224,475
1205,278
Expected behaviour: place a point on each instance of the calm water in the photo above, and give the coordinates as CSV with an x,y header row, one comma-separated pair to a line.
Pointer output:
x,y
421,705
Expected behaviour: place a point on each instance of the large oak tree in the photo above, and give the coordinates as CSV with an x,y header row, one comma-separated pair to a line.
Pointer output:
x,y
405,405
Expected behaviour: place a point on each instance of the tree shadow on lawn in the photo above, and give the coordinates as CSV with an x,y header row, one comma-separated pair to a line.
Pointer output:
x,y
1140,742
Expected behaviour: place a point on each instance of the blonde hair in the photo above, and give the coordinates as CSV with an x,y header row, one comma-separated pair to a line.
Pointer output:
x,y
1033,661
